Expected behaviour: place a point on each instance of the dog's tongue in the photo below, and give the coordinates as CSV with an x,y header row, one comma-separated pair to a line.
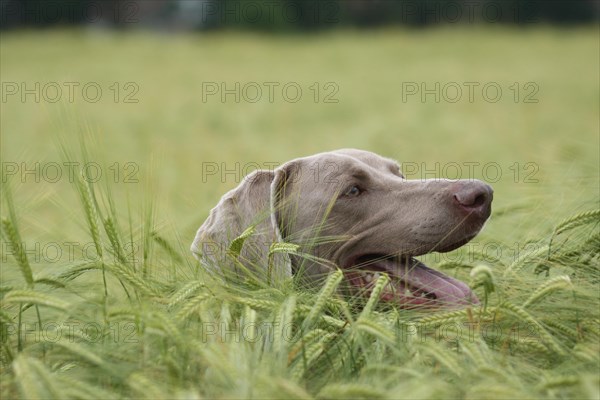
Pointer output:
x,y
436,288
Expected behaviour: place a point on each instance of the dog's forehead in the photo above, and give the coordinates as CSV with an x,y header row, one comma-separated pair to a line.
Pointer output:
x,y
369,158
349,160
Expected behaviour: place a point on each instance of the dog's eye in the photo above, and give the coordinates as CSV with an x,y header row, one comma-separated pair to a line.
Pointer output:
x,y
353,191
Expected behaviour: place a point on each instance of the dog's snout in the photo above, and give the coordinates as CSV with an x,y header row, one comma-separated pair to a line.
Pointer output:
x,y
474,196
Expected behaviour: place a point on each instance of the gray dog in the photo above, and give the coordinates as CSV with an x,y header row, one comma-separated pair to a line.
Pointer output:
x,y
350,209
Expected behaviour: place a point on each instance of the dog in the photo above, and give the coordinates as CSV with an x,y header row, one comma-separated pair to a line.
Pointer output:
x,y
349,209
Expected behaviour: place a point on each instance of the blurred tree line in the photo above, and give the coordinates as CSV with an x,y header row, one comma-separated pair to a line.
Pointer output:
x,y
290,15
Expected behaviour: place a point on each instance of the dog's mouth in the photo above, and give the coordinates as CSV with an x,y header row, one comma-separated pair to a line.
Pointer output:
x,y
412,284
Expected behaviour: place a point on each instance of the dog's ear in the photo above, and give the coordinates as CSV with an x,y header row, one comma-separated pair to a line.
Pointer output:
x,y
282,197
253,205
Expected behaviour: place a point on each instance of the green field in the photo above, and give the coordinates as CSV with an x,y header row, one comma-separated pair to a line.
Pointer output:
x,y
138,321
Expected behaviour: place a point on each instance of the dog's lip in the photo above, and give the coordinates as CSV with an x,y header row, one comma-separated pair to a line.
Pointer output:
x,y
413,283
457,244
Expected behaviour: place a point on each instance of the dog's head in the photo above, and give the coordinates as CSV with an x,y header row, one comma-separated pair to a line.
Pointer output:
x,y
355,210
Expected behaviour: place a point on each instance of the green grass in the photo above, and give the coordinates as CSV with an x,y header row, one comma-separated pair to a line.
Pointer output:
x,y
141,319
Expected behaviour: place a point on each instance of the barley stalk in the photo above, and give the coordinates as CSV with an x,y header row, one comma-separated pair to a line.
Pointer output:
x,y
380,284
304,309
580,219
34,379
520,261
565,330
78,270
284,320
91,212
33,297
443,317
11,232
235,248
558,283
278,248
560,382
375,329
183,293
256,303
122,272
546,337
482,276
308,355
162,242
82,352
113,237
327,291
190,306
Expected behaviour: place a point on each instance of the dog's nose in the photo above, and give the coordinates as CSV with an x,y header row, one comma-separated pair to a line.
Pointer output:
x,y
474,196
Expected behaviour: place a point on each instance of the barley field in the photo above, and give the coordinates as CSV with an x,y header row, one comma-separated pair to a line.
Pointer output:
x,y
116,145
